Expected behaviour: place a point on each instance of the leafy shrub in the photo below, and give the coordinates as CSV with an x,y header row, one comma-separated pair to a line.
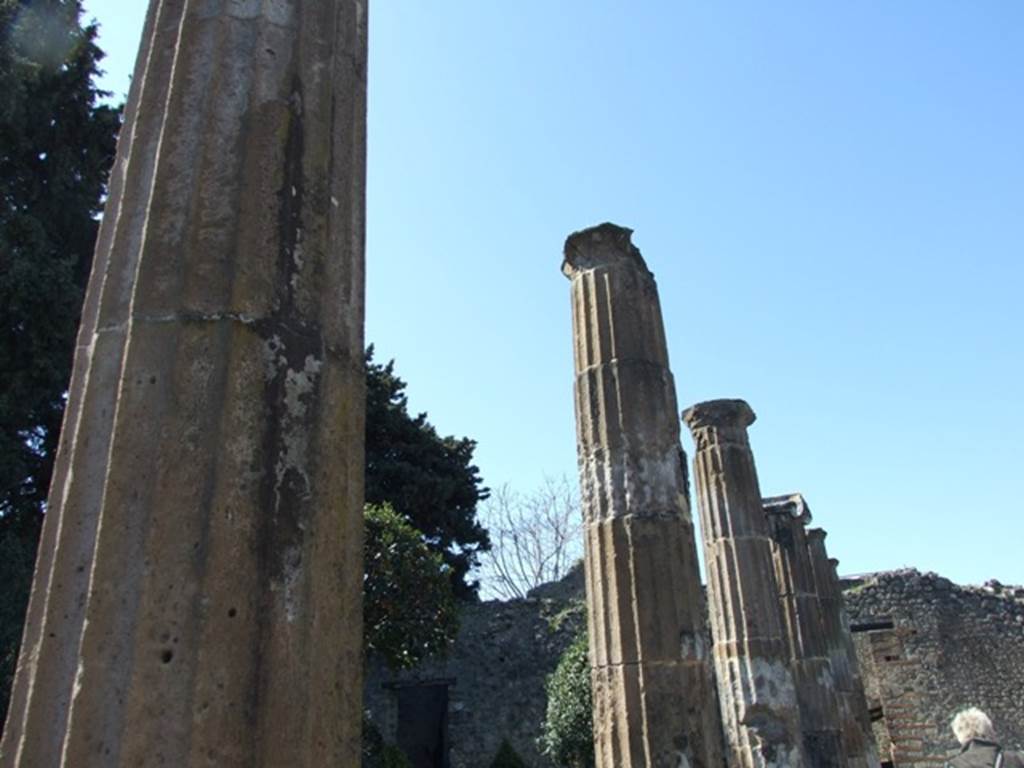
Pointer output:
x,y
392,757
373,742
567,734
507,757
409,610
376,752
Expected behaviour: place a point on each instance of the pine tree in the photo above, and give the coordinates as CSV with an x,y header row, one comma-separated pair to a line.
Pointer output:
x,y
428,479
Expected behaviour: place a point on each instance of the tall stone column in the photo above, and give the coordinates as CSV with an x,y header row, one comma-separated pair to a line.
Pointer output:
x,y
197,593
654,698
802,621
755,684
857,736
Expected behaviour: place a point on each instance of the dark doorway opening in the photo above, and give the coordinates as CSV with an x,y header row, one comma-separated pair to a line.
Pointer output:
x,y
423,724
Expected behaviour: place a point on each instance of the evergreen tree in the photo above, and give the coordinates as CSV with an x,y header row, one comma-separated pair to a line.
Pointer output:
x,y
56,146
57,143
428,479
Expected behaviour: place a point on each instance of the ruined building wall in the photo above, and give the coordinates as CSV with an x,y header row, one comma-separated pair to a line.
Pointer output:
x,y
949,647
928,648
495,675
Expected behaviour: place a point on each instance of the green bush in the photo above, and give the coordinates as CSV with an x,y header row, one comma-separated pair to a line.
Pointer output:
x,y
567,735
392,757
373,742
507,757
409,608
377,753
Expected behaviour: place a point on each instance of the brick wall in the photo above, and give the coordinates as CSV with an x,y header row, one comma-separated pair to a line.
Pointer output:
x,y
946,647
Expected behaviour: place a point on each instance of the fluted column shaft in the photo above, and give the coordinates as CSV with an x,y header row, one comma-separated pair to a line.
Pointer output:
x,y
197,593
654,699
64,560
755,684
802,622
857,736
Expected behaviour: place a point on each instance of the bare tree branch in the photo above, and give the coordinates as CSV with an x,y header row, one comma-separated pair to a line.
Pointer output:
x,y
535,537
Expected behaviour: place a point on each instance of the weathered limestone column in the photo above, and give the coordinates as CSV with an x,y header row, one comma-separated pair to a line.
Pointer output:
x,y
816,691
197,592
857,736
755,685
64,558
654,698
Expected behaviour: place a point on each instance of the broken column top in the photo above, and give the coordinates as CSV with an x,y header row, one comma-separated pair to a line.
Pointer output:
x,y
606,245
794,505
816,534
719,413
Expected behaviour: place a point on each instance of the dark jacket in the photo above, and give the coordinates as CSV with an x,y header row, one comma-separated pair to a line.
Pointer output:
x,y
978,753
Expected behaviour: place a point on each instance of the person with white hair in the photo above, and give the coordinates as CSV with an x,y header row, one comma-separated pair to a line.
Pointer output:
x,y
979,748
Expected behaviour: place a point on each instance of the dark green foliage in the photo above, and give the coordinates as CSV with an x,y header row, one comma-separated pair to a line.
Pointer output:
x,y
392,757
507,757
429,479
409,610
377,753
567,735
56,147
17,555
373,741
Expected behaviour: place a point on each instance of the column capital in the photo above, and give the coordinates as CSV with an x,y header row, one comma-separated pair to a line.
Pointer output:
x,y
604,245
794,505
816,534
719,413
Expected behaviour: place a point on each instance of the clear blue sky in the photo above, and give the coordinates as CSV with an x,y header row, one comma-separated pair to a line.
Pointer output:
x,y
831,196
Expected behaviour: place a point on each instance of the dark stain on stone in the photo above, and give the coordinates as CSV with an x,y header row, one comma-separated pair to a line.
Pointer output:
x,y
283,494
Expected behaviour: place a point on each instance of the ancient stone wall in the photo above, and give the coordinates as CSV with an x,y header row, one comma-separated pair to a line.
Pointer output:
x,y
495,674
928,648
